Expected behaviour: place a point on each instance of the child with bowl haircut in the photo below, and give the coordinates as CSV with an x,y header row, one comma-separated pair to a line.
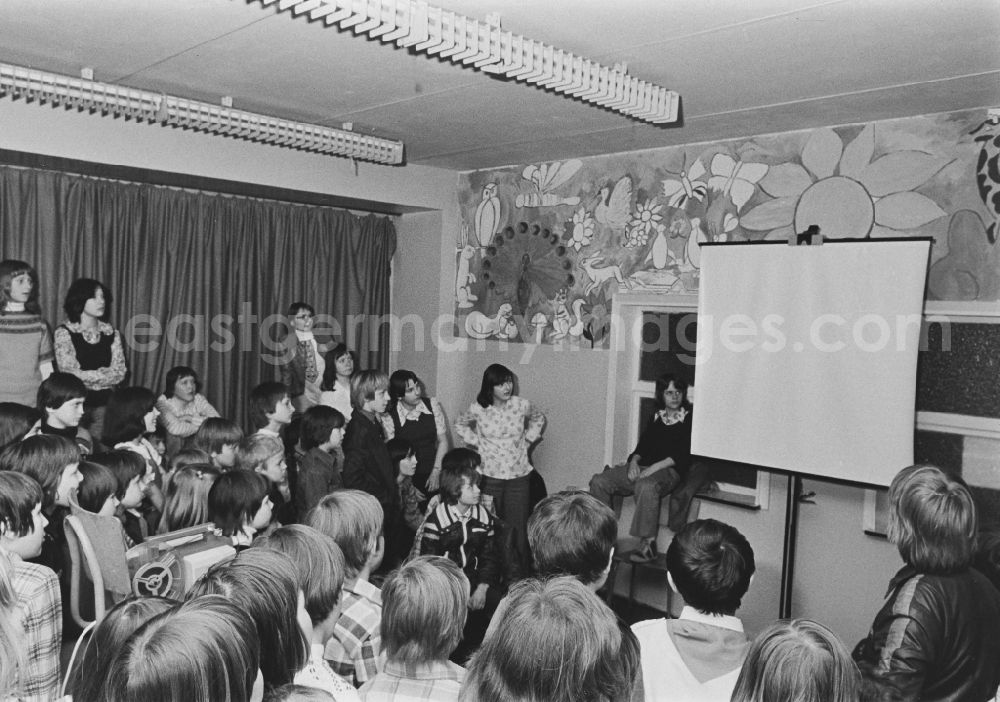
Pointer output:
x,y
36,588
698,655
463,530
239,506
318,456
219,438
60,403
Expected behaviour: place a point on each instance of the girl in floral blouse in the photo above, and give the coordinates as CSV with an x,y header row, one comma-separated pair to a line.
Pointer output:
x,y
501,426
90,348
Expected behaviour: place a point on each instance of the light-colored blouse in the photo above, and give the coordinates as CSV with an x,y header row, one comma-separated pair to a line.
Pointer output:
x,y
502,435
184,418
340,399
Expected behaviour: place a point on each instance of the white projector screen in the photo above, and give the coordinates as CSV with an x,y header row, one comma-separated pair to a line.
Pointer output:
x,y
807,355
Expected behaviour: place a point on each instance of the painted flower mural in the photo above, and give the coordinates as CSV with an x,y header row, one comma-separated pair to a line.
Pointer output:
x,y
645,222
582,229
589,229
846,193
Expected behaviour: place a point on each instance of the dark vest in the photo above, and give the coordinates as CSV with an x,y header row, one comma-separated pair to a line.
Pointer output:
x,y
422,434
92,357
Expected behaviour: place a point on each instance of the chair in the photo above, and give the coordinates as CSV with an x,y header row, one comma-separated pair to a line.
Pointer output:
x,y
658,565
97,549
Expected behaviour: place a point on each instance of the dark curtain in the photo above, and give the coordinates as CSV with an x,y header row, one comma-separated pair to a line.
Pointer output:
x,y
200,279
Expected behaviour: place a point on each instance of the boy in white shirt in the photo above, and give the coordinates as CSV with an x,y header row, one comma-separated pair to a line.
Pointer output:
x,y
697,657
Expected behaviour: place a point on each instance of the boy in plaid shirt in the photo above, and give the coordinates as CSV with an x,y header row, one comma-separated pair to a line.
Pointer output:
x,y
39,604
353,519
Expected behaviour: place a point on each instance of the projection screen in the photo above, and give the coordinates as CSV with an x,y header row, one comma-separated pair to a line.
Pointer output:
x,y
806,356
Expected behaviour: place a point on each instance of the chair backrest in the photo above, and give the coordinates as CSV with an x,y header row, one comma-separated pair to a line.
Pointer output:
x,y
82,556
107,539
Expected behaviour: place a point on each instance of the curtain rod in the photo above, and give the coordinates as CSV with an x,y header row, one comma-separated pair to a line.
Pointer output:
x,y
148,176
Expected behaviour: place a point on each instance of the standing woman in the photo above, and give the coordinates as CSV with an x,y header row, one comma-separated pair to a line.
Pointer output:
x,y
304,370
25,339
501,426
419,420
182,408
90,348
341,364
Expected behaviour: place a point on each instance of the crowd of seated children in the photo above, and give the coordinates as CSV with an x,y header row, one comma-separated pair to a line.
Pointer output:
x,y
425,603
219,438
182,407
353,519
239,506
60,406
463,530
324,629
797,660
317,457
265,455
698,655
319,573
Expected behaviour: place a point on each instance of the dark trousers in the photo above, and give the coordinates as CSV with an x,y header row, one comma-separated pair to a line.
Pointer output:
x,y
512,504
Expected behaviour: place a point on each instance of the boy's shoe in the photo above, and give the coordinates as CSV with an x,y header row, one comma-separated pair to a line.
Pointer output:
x,y
645,553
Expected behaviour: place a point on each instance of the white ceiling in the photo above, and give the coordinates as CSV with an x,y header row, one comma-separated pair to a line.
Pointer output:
x,y
741,67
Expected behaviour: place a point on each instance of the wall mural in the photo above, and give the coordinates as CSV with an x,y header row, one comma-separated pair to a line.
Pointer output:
x,y
543,248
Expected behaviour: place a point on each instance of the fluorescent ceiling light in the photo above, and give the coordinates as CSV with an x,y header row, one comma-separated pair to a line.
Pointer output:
x,y
141,105
483,45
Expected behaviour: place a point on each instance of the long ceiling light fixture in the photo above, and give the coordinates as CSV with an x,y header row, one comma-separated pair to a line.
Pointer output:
x,y
483,45
144,106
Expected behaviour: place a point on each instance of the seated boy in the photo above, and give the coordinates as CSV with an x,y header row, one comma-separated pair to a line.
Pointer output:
x,y
219,438
270,408
935,637
354,520
265,454
39,604
698,656
60,404
425,602
319,572
463,530
573,533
